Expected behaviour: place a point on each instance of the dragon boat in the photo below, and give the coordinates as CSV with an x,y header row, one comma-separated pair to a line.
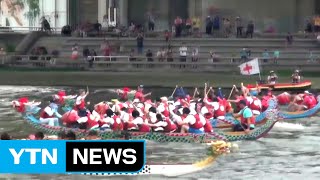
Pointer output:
x,y
230,121
214,151
301,114
304,85
218,134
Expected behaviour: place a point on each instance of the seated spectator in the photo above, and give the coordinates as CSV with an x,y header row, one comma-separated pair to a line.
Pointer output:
x,y
149,55
161,54
86,52
308,28
214,56
5,136
71,136
265,56
132,55
39,136
169,54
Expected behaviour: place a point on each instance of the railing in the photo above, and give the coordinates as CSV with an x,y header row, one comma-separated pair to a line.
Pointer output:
x,y
54,30
141,64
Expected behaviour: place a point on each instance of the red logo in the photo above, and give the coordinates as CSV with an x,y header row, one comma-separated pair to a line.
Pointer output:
x,y
247,68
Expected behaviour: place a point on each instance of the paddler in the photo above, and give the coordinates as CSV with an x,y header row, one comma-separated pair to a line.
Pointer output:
x,y
113,120
296,77
139,94
192,123
80,104
272,78
309,100
50,116
22,104
247,119
62,96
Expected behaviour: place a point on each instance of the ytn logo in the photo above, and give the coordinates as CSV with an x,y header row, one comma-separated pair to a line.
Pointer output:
x,y
105,156
32,153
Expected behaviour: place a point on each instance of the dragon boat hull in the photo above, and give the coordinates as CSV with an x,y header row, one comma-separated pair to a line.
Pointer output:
x,y
165,137
287,86
230,121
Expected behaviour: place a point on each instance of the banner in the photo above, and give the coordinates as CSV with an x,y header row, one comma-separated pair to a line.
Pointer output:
x,y
72,157
250,68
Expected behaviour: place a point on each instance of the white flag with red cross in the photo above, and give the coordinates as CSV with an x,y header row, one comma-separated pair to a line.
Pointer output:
x,y
250,68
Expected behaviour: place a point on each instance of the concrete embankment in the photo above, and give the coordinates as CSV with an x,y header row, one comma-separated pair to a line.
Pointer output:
x,y
120,79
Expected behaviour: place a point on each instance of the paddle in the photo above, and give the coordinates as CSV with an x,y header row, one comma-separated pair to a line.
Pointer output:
x,y
194,93
233,87
174,91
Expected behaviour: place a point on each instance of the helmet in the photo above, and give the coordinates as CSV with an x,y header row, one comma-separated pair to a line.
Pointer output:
x,y
271,72
296,71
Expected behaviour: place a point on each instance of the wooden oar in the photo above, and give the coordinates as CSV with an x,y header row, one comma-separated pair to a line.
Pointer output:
x,y
194,93
174,91
210,89
231,91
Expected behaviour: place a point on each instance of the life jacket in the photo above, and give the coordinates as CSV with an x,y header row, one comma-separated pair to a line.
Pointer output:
x,y
140,96
143,127
243,120
170,125
166,112
198,124
220,111
284,98
255,105
239,98
91,123
80,106
208,127
117,124
209,114
44,115
70,117
265,102
310,101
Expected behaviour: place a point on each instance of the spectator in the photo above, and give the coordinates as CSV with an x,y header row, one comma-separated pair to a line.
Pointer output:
x,y
66,30
39,136
189,26
3,53
214,56
132,55
194,54
75,53
86,52
243,55
276,56
183,54
308,28
151,22
140,43
97,27
216,24
132,29
91,57
71,136
248,51
265,56
5,136
196,23
93,135
289,39
167,36
149,55
250,29
178,26
316,20
227,27
209,25
169,54
45,26
161,54
239,26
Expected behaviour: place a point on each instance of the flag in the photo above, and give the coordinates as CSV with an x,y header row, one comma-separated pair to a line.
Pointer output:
x,y
250,68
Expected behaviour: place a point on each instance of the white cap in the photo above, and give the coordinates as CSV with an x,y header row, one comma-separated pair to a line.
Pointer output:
x,y
307,92
16,103
135,101
140,105
164,99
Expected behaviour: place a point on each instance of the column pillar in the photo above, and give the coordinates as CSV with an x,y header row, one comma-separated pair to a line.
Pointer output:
x,y
204,13
102,9
192,8
123,12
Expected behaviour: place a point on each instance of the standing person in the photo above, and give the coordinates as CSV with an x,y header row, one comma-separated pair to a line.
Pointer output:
x,y
247,119
276,56
250,29
178,26
265,56
194,55
239,26
272,78
289,39
189,26
209,25
140,43
75,52
149,55
151,22
183,54
296,77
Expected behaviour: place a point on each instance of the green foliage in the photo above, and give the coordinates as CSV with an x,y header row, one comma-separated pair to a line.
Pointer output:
x,y
34,10
10,48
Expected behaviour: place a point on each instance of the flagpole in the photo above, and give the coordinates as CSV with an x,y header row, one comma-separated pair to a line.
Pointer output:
x,y
259,70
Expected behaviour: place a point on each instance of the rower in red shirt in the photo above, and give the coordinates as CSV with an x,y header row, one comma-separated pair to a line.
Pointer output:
x,y
139,94
80,104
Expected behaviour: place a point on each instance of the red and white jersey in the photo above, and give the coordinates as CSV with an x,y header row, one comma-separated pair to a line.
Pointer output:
x,y
153,117
139,122
163,108
46,113
195,122
254,104
80,102
219,110
124,117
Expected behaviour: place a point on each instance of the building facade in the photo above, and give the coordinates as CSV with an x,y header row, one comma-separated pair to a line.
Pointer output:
x,y
283,15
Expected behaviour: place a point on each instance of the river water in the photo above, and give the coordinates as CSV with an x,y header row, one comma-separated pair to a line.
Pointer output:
x,y
290,151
